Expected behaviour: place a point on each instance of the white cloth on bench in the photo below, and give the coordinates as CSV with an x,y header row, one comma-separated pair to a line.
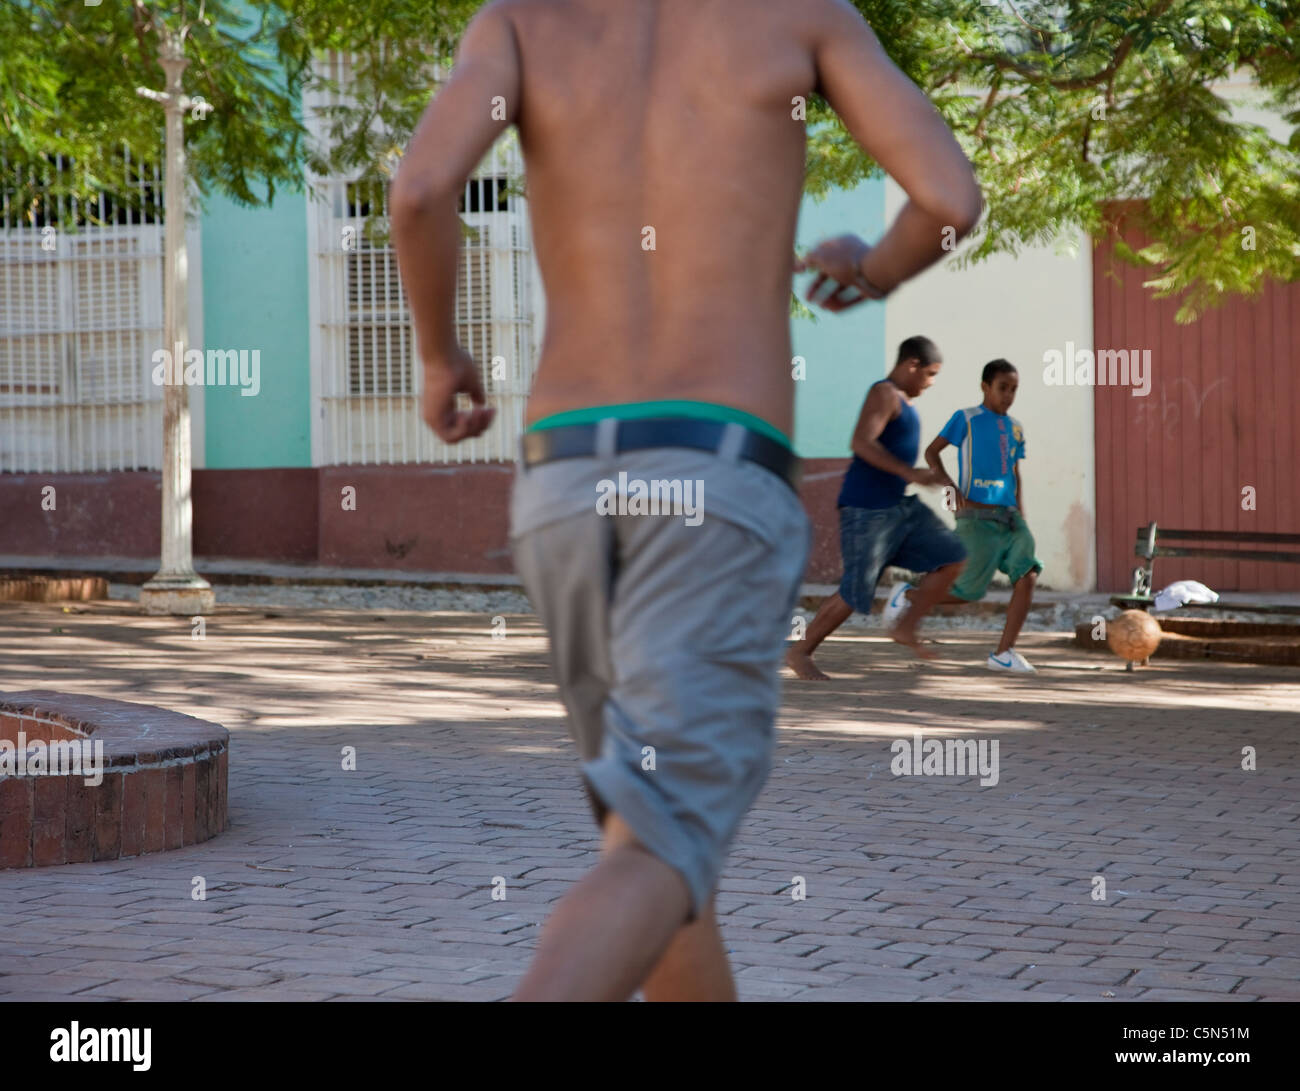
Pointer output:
x,y
1181,593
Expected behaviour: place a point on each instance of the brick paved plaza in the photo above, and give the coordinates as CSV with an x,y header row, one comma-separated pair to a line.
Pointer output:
x,y
377,884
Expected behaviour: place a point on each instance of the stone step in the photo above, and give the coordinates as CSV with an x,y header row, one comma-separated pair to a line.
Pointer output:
x,y
1197,638
44,589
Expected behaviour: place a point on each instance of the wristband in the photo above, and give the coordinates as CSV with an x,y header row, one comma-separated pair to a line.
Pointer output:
x,y
874,292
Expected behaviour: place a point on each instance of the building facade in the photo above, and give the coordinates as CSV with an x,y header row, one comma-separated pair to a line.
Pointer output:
x,y
308,447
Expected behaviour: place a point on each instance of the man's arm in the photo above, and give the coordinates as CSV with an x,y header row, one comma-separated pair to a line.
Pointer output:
x,y
934,460
1020,490
878,410
455,133
898,127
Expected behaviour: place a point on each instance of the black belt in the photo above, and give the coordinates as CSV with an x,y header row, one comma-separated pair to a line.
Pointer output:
x,y
579,441
1005,516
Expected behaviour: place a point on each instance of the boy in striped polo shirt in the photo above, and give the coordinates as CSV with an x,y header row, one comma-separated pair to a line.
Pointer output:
x,y
990,505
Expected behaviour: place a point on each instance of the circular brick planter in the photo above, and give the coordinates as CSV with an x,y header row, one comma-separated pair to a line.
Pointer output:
x,y
163,786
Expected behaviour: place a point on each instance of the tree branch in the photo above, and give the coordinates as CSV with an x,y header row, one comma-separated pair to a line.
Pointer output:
x,y
986,109
141,23
1044,35
1123,48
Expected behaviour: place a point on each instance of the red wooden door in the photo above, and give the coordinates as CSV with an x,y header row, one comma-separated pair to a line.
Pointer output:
x,y
1222,416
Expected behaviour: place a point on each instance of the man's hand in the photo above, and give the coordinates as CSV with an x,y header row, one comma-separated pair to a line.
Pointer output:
x,y
442,382
947,482
927,476
838,261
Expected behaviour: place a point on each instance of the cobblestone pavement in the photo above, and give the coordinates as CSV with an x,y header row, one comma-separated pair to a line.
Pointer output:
x,y
377,884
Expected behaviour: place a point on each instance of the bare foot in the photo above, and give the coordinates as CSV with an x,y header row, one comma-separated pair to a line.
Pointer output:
x,y
909,639
803,666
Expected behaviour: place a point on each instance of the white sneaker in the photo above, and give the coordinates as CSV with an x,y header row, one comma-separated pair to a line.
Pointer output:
x,y
1011,662
897,601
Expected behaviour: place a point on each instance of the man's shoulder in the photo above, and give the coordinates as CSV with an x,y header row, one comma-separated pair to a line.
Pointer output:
x,y
813,22
507,7
818,15
836,11
510,10
501,15
805,10
955,422
885,393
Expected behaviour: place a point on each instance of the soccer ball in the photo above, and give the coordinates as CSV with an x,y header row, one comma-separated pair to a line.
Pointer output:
x,y
1134,635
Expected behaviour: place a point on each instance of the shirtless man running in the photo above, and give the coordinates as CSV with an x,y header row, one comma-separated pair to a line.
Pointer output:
x,y
665,168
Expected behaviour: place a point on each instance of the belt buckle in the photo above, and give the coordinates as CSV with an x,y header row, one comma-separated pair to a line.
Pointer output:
x,y
606,437
531,446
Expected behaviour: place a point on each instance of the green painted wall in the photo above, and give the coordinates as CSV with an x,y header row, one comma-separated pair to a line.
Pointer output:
x,y
844,353
255,297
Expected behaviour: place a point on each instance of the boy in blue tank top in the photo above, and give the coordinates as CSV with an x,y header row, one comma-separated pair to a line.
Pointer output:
x,y
879,525
990,505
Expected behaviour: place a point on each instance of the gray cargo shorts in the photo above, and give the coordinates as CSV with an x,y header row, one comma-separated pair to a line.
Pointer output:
x,y
666,638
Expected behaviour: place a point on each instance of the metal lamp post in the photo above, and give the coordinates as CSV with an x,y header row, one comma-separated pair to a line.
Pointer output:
x,y
176,588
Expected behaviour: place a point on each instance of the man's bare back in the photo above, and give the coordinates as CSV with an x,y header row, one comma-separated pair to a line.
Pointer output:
x,y
664,150
664,189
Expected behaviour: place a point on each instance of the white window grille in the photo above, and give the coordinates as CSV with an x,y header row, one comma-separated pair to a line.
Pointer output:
x,y
366,373
80,316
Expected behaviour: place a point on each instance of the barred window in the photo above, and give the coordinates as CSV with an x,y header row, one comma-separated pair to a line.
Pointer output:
x,y
80,314
364,357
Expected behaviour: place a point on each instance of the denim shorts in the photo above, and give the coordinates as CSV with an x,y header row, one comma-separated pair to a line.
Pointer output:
x,y
908,535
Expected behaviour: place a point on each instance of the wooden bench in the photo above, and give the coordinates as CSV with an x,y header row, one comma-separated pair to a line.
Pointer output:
x,y
1151,541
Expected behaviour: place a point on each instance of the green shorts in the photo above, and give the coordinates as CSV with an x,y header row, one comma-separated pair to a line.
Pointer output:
x,y
995,542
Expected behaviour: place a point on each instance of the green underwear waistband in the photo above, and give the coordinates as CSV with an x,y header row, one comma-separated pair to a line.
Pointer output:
x,y
636,410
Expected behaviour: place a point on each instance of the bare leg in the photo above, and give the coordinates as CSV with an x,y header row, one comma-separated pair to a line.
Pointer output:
x,y
695,965
944,600
925,596
609,931
831,614
1022,595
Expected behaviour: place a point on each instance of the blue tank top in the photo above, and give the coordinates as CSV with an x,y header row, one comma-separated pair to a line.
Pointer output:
x,y
867,487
